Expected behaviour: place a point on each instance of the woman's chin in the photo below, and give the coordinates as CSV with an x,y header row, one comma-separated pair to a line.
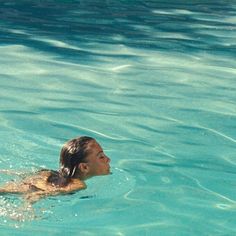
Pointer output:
x,y
108,172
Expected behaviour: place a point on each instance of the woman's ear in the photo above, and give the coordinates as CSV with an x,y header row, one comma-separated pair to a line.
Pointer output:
x,y
83,167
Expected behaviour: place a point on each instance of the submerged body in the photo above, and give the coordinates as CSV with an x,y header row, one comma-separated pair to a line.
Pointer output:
x,y
81,158
38,185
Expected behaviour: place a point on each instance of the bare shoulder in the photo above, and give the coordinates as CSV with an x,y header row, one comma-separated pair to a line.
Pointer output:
x,y
36,186
30,183
74,185
46,173
40,175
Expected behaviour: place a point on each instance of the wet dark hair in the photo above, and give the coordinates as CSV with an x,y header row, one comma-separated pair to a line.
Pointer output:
x,y
72,154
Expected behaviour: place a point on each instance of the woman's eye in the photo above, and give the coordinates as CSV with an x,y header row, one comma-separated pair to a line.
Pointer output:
x,y
102,156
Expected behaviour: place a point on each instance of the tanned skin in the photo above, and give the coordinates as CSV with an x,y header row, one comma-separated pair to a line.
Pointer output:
x,y
37,186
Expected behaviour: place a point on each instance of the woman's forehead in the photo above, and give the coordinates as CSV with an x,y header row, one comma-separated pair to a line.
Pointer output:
x,y
94,146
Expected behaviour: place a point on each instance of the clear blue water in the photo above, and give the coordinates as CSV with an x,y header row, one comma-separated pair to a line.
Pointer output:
x,y
153,82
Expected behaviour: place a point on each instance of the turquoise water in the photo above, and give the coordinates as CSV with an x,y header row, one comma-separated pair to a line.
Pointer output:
x,y
153,82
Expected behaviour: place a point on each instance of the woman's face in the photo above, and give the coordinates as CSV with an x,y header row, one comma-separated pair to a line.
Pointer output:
x,y
97,162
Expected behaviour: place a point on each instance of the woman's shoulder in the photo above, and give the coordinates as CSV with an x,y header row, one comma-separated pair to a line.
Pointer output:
x,y
51,180
46,172
74,185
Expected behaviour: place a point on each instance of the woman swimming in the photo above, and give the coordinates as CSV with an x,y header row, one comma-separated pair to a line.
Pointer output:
x,y
81,158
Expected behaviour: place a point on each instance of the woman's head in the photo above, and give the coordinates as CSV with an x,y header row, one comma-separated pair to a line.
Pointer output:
x,y
83,157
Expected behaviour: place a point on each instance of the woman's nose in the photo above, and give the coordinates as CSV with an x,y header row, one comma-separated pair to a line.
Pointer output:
x,y
108,160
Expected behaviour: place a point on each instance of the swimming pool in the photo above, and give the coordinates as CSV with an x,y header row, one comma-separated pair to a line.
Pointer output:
x,y
153,82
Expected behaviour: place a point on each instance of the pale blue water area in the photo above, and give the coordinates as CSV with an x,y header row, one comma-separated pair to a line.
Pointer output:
x,y
154,82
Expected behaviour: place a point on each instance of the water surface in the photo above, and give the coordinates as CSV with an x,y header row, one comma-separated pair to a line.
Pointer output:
x,y
153,82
